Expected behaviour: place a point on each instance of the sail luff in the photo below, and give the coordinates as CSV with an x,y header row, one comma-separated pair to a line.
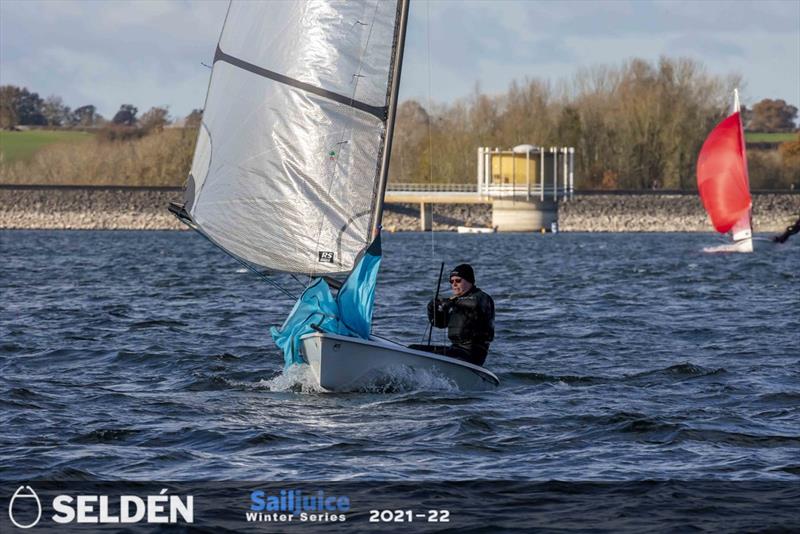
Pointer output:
x,y
395,89
743,228
189,193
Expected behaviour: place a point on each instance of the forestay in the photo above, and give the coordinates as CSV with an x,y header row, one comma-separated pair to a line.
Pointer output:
x,y
287,167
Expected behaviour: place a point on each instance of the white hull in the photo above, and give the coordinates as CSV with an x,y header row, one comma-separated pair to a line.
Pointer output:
x,y
742,235
343,363
744,245
475,230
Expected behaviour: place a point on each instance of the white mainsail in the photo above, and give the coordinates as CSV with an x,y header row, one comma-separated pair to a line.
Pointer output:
x,y
287,170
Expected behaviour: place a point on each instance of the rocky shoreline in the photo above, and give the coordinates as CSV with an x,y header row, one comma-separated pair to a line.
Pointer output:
x,y
146,209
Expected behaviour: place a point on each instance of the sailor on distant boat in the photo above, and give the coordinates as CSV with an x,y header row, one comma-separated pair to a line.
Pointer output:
x,y
468,316
790,231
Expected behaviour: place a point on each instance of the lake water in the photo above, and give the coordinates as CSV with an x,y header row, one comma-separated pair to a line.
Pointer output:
x,y
622,357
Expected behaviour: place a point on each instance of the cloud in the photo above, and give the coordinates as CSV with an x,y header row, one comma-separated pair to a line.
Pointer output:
x,y
710,46
149,53
108,54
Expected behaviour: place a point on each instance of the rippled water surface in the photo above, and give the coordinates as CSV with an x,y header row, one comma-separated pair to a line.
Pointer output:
x,y
146,355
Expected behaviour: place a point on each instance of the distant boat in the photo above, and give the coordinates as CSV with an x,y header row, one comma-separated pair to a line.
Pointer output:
x,y
724,185
475,230
289,176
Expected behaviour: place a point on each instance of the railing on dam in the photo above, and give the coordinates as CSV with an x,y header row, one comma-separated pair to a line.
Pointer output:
x,y
458,192
429,188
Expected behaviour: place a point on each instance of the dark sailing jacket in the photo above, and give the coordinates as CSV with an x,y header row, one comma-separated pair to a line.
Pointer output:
x,y
469,319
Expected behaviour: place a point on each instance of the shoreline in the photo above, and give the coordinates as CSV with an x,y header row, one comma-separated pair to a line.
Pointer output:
x,y
75,208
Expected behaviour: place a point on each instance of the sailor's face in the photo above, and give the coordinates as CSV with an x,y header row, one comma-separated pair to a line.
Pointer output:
x,y
459,285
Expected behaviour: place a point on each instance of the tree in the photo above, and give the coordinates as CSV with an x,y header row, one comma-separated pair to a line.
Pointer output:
x,y
773,116
54,111
126,115
194,119
568,128
29,109
790,161
410,135
20,106
84,116
154,119
8,112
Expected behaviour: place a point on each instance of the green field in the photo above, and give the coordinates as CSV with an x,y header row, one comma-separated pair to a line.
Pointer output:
x,y
21,146
758,137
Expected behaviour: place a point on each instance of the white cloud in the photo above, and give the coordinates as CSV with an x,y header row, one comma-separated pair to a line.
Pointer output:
x,y
149,52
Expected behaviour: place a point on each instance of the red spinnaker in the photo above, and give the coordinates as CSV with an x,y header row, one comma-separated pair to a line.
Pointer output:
x,y
722,174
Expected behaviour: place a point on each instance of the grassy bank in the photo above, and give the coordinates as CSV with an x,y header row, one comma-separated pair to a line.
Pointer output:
x,y
159,159
761,137
22,146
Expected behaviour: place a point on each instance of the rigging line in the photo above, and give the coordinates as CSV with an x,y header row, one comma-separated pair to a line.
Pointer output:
x,y
425,333
430,128
263,276
440,336
303,284
241,261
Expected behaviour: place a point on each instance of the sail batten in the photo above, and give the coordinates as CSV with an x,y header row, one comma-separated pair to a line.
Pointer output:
x,y
379,112
288,162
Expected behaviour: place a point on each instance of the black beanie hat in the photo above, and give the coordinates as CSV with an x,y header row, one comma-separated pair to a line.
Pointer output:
x,y
464,271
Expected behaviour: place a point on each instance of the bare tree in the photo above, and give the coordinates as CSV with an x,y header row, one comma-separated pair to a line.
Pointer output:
x,y
154,119
194,119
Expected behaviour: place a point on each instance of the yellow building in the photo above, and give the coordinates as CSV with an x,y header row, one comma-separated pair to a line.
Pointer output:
x,y
519,169
526,170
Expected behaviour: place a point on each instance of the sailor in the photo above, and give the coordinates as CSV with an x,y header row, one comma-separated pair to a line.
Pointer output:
x,y
790,231
468,316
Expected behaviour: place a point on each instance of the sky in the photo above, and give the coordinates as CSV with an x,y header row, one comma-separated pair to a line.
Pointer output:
x,y
151,52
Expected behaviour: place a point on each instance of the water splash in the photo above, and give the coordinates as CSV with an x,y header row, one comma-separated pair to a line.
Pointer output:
x,y
395,379
297,378
401,378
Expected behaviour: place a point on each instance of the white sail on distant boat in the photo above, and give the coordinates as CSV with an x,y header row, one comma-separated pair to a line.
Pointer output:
x,y
723,182
290,170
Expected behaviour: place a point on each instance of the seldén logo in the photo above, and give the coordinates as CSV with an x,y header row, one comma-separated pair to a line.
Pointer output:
x,y
21,505
101,509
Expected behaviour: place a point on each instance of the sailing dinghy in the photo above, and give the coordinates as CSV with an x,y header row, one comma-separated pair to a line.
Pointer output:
x,y
289,176
723,182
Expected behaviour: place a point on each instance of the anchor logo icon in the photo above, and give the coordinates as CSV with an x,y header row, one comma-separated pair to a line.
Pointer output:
x,y
19,494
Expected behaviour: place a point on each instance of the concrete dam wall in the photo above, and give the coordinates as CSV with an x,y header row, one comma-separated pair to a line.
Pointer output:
x,y
146,209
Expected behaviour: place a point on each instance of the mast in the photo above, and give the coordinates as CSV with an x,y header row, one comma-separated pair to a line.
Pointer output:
x,y
743,228
392,112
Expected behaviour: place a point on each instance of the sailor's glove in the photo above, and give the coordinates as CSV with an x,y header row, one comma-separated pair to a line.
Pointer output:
x,y
442,308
